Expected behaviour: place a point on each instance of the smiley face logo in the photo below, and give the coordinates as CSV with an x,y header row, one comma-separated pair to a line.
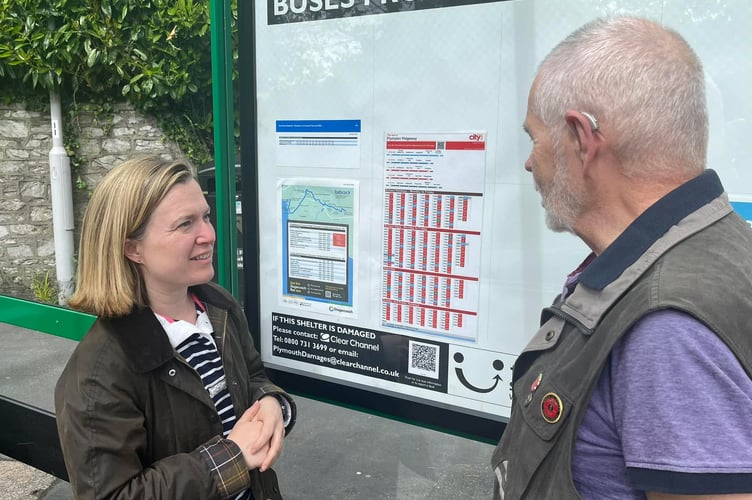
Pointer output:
x,y
497,364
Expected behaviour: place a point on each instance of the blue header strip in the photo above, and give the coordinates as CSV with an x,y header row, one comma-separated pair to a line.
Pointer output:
x,y
318,126
743,208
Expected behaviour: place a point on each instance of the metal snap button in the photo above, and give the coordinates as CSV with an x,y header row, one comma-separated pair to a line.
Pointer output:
x,y
172,372
550,334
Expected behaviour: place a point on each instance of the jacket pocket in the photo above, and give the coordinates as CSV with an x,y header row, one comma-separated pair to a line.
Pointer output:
x,y
540,413
264,485
546,408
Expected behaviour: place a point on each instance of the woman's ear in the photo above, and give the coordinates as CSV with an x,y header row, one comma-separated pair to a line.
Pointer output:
x,y
132,251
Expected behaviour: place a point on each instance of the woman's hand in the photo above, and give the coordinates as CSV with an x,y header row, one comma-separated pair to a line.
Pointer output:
x,y
273,431
246,434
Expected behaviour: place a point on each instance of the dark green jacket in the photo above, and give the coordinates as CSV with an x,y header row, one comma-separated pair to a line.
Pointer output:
x,y
132,414
702,265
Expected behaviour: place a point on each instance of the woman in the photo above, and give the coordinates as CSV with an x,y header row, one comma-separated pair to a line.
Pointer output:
x,y
166,395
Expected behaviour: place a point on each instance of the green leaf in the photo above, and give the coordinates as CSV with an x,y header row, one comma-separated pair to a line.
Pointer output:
x,y
92,58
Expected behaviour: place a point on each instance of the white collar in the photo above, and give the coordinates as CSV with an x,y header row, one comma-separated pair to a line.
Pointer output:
x,y
178,331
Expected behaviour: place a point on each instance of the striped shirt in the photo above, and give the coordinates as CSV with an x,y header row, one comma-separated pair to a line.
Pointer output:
x,y
203,356
196,345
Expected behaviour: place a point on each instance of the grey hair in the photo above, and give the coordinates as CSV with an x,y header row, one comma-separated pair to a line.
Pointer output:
x,y
642,81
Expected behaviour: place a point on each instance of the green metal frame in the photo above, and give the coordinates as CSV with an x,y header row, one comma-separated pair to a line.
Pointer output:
x,y
45,318
27,433
224,144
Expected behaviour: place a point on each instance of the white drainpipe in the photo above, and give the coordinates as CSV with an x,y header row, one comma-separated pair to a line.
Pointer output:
x,y
62,203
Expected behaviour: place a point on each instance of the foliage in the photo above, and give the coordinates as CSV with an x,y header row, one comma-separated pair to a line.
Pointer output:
x,y
43,290
155,54
152,48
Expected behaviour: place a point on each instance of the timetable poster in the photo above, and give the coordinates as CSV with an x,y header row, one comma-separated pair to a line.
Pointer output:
x,y
314,144
433,206
318,244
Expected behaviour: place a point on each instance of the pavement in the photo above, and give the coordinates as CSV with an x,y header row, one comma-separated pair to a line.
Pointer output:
x,y
333,452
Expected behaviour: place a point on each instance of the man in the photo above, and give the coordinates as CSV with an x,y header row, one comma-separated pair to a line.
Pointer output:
x,y
637,384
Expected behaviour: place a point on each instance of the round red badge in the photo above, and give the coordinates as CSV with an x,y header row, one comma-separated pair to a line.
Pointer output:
x,y
551,408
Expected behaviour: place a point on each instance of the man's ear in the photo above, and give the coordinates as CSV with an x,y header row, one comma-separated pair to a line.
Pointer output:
x,y
132,251
585,129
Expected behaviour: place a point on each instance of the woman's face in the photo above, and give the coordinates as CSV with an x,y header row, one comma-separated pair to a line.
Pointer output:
x,y
176,249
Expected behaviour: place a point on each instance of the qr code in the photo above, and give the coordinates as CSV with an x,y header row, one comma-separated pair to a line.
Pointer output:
x,y
424,359
439,144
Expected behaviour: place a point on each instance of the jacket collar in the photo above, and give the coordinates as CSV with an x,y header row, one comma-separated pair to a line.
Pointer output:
x,y
143,339
666,224
649,227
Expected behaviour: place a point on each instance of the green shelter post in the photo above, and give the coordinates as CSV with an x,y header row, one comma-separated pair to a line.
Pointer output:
x,y
224,144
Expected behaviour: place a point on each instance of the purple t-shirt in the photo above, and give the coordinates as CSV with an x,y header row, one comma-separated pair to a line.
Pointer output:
x,y
671,409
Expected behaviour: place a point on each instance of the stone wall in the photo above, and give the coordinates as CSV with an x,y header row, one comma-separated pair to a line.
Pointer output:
x,y
27,248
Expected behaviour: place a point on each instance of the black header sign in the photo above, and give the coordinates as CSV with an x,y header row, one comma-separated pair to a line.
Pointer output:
x,y
396,358
296,11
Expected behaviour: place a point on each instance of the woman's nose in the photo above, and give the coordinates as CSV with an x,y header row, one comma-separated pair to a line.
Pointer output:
x,y
207,232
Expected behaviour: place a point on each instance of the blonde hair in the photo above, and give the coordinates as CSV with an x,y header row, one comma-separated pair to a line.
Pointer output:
x,y
108,284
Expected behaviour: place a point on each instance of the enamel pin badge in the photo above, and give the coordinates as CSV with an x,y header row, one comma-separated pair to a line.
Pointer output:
x,y
533,388
551,408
